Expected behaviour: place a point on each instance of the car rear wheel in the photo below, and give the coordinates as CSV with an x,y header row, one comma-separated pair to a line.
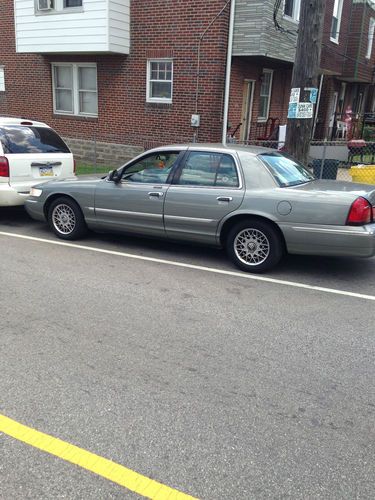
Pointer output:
x,y
66,219
254,246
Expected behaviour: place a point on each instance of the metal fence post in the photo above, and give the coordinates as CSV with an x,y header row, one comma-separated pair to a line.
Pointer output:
x,y
94,153
323,159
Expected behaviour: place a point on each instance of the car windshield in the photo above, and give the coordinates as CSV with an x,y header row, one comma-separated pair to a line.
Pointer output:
x,y
286,170
21,139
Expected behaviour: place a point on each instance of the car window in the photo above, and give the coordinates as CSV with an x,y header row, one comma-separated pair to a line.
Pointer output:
x,y
152,169
286,170
209,169
27,139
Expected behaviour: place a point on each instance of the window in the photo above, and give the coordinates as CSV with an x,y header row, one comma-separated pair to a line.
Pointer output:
x,y
371,29
159,81
286,171
19,139
292,9
72,3
2,79
75,89
265,94
151,169
336,21
43,7
209,169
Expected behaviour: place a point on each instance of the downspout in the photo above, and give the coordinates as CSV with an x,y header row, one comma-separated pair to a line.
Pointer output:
x,y
228,71
199,55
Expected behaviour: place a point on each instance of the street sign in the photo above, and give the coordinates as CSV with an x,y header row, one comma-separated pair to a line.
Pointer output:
x,y
305,110
313,95
294,95
292,110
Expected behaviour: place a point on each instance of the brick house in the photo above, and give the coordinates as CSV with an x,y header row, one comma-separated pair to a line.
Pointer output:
x,y
263,62
121,76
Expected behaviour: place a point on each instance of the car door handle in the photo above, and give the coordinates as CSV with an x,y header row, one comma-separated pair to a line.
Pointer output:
x,y
224,198
156,194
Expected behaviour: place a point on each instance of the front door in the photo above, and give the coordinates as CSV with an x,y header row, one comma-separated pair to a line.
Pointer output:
x,y
207,186
135,203
247,108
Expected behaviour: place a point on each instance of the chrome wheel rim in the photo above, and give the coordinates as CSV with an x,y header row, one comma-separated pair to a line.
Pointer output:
x,y
63,219
251,247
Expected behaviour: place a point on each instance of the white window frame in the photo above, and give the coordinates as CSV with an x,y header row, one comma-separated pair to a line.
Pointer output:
x,y
57,8
296,11
149,98
2,79
371,31
265,118
75,90
337,13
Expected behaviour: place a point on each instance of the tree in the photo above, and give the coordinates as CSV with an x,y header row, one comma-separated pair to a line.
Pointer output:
x,y
305,74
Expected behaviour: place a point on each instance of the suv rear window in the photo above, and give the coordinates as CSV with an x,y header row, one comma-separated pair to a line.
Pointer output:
x,y
21,139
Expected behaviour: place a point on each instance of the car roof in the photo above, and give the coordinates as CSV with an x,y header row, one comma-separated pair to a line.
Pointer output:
x,y
228,148
8,120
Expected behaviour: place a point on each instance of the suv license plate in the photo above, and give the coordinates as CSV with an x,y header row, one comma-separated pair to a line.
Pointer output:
x,y
46,171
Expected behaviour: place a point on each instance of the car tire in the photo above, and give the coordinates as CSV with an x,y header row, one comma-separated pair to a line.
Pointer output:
x,y
254,246
66,220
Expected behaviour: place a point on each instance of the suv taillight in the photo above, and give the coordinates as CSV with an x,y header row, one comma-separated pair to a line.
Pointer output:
x,y
74,166
360,213
4,167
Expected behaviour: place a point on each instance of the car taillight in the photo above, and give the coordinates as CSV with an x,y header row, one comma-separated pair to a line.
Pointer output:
x,y
74,167
361,212
4,167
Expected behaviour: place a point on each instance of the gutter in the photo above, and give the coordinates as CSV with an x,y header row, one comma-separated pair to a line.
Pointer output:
x,y
228,71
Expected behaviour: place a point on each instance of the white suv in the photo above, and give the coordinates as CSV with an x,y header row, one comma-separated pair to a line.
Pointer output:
x,y
30,153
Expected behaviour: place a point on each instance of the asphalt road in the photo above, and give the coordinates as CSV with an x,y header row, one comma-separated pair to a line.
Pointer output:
x,y
217,385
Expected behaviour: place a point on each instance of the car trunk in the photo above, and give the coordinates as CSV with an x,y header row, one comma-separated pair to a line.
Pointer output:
x,y
352,190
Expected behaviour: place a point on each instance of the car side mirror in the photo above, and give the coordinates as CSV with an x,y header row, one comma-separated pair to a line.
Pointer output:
x,y
114,176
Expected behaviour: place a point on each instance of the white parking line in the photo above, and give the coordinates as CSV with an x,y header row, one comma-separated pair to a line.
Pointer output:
x,y
195,267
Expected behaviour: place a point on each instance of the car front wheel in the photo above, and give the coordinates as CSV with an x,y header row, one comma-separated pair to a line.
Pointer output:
x,y
66,219
254,246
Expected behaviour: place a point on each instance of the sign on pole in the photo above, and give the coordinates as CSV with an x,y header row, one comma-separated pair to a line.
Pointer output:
x,y
305,110
294,95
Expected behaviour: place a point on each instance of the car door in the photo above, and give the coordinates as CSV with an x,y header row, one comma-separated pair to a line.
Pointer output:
x,y
134,203
207,186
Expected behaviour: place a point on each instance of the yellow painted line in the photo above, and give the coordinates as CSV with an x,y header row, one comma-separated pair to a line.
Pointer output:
x,y
116,473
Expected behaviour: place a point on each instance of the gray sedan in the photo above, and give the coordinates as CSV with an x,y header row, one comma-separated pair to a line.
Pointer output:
x,y
257,203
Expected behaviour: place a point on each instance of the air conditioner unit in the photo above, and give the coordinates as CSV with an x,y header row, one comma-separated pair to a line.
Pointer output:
x,y
45,4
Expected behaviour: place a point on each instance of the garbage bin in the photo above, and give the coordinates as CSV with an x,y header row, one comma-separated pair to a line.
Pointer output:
x,y
330,168
364,174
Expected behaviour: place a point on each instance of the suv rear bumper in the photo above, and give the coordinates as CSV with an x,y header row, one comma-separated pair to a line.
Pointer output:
x,y
9,197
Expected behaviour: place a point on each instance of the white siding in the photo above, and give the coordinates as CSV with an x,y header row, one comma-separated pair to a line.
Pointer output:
x,y
89,30
119,26
2,80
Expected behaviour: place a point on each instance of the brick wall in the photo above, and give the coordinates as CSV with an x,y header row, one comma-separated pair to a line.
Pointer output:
x,y
252,69
168,28
333,54
357,66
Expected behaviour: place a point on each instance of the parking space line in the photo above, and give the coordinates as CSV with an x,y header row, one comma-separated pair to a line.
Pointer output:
x,y
103,467
195,267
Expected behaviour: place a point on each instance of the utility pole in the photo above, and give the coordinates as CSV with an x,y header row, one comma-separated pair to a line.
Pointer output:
x,y
305,79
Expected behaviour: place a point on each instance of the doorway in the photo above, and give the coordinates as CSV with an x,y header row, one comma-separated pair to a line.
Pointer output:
x,y
247,109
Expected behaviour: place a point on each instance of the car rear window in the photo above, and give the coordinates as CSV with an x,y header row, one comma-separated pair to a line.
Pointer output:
x,y
286,170
27,139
